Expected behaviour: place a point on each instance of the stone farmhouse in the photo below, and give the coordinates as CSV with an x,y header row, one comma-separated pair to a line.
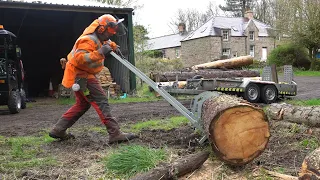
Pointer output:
x,y
219,37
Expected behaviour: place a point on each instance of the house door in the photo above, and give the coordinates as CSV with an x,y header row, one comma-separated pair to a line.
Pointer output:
x,y
264,54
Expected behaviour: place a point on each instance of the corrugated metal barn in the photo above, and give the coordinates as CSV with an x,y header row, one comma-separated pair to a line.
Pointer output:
x,y
47,31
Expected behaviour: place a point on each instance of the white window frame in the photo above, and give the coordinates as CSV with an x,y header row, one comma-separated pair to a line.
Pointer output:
x,y
251,51
227,52
251,35
225,33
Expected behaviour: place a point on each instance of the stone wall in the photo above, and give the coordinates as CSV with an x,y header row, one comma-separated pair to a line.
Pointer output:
x,y
200,50
171,53
237,46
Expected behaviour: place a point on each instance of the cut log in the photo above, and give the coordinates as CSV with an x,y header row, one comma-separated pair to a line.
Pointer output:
x,y
180,84
207,74
226,63
310,168
179,168
237,130
308,115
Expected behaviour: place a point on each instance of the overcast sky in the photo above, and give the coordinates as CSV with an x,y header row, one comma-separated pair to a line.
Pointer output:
x,y
156,15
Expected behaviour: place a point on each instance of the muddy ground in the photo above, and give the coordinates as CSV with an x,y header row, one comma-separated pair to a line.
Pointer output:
x,y
79,156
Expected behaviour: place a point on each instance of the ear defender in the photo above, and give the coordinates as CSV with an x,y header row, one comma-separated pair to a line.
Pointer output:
x,y
101,29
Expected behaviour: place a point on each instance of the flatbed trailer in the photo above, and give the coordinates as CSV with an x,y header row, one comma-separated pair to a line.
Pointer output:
x,y
266,89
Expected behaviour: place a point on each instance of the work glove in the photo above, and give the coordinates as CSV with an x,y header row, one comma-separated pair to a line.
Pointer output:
x,y
105,49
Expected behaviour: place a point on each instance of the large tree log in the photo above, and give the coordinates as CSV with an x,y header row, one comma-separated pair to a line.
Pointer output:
x,y
308,115
226,63
310,168
179,168
207,74
237,130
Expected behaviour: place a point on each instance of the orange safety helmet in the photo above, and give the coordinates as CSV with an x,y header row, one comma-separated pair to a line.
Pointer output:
x,y
109,23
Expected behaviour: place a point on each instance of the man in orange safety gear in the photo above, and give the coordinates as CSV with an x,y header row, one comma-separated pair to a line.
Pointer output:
x,y
84,61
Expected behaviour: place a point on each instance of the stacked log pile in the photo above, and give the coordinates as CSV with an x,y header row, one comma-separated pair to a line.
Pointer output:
x,y
216,69
107,83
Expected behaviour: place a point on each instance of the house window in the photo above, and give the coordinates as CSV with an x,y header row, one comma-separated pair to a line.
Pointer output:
x,y
225,35
178,52
251,35
252,50
225,52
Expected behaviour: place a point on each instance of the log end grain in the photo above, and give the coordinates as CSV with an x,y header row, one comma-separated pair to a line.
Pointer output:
x,y
311,166
238,131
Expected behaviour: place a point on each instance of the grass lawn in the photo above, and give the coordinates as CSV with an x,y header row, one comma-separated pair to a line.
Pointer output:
x,y
309,102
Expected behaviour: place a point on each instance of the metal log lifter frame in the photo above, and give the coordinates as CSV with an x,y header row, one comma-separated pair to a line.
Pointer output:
x,y
194,117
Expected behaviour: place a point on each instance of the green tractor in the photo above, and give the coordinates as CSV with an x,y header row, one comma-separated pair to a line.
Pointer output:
x,y
12,92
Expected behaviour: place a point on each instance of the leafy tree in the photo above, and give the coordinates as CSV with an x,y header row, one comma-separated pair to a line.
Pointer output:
x,y
237,7
300,20
140,40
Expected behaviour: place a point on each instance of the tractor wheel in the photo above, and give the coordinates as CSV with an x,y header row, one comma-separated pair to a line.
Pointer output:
x,y
269,94
23,99
252,93
14,103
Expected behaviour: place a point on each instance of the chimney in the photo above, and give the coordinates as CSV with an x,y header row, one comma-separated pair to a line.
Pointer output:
x,y
182,28
248,14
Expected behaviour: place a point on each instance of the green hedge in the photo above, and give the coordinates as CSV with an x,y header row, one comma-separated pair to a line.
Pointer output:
x,y
289,54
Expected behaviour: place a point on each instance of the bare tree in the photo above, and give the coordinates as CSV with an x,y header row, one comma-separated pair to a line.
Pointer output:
x,y
193,18
125,3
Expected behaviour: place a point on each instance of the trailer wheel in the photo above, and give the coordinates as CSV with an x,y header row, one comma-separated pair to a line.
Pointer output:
x,y
14,102
252,93
23,99
269,94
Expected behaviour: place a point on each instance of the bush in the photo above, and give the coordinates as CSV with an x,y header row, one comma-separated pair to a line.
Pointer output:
x,y
289,54
148,65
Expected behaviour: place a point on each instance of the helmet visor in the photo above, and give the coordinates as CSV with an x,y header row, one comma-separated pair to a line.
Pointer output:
x,y
117,28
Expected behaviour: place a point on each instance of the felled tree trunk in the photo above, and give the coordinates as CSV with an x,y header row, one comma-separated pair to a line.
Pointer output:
x,y
297,114
178,168
310,168
237,130
184,75
226,63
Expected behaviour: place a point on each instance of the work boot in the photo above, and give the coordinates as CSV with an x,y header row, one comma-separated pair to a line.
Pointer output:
x,y
115,134
60,128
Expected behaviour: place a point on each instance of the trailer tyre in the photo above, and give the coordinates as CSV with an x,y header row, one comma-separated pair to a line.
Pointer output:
x,y
14,103
252,93
269,94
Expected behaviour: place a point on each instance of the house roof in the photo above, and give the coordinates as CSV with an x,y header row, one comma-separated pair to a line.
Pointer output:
x,y
237,25
212,27
163,42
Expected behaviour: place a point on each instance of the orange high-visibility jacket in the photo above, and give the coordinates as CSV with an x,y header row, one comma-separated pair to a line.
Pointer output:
x,y
84,60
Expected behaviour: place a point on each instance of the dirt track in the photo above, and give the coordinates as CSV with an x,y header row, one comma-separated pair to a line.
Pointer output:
x,y
281,152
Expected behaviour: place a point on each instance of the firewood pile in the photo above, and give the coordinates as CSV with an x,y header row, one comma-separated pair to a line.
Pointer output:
x,y
107,83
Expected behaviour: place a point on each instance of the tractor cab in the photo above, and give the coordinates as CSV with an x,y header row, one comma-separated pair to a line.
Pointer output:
x,y
12,91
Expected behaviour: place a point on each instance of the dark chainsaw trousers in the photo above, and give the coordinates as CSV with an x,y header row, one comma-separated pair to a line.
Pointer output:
x,y
97,98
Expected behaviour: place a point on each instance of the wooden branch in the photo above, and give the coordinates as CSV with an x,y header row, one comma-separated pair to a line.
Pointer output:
x,y
179,168
281,176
